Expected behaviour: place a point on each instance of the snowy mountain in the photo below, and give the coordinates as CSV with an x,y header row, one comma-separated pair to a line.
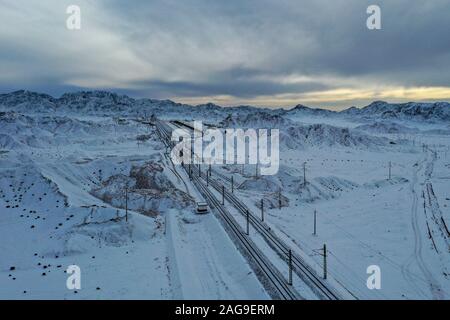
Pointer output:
x,y
255,119
98,102
438,111
322,135
27,101
95,101
307,111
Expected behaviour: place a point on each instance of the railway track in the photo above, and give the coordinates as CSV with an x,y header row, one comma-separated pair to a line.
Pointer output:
x,y
300,267
264,267
183,124
278,282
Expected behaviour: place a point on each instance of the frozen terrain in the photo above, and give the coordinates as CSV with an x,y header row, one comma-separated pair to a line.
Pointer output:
x,y
71,168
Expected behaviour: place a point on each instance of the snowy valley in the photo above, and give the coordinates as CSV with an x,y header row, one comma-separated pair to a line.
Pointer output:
x,y
85,179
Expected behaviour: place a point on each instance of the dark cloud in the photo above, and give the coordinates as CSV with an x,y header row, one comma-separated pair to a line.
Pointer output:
x,y
238,88
240,48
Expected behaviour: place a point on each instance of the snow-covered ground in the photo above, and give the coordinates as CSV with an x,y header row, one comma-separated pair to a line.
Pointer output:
x,y
364,217
70,166
50,218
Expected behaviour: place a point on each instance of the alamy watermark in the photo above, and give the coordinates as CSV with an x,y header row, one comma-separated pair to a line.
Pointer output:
x,y
73,21
73,282
374,279
374,20
233,146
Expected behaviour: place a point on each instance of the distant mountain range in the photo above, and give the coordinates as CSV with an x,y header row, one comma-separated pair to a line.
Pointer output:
x,y
385,110
104,101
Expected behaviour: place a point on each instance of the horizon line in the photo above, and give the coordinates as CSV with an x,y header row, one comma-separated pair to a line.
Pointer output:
x,y
174,100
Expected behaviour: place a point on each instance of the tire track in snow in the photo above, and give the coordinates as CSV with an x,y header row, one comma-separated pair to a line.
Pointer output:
x,y
172,265
417,257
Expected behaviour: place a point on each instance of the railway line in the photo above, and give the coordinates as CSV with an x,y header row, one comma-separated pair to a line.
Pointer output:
x,y
300,267
183,125
278,284
307,274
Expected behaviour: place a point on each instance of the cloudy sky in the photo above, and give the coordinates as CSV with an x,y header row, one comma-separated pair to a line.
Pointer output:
x,y
260,52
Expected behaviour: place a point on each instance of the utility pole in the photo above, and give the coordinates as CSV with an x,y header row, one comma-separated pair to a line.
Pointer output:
x,y
232,184
256,170
223,195
248,229
390,166
126,203
324,261
315,222
210,169
279,198
290,267
304,173
262,210
190,172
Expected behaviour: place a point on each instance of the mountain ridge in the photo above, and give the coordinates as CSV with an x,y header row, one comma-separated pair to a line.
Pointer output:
x,y
102,100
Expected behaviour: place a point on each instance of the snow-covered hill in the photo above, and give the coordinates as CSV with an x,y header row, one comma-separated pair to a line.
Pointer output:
x,y
386,127
327,136
98,102
438,111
